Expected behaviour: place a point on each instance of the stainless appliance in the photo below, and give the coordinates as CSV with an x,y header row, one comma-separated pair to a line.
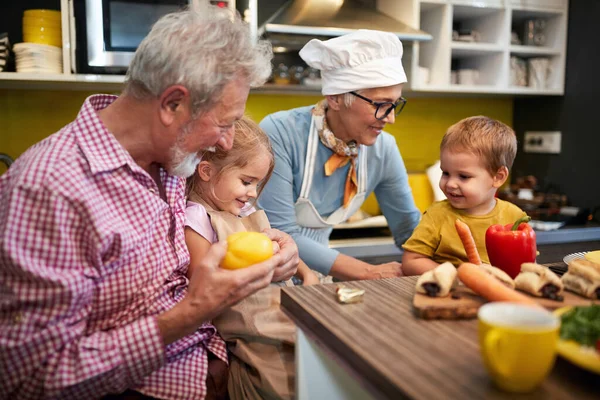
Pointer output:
x,y
107,32
289,24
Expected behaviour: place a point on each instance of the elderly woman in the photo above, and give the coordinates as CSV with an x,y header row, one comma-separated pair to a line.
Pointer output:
x,y
329,157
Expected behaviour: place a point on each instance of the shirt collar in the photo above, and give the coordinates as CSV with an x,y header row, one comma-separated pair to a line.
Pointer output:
x,y
99,146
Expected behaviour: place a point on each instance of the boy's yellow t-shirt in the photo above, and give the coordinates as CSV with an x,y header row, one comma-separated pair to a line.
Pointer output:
x,y
436,236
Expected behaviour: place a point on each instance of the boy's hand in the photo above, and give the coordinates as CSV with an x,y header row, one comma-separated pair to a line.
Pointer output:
x,y
288,251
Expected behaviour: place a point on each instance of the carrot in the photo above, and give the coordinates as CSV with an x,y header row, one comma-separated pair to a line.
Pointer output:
x,y
489,287
468,242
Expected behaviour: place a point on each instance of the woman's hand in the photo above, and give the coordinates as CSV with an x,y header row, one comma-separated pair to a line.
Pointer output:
x,y
288,253
388,270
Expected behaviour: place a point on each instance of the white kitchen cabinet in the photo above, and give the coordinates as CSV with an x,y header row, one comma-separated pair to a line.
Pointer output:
x,y
489,64
429,64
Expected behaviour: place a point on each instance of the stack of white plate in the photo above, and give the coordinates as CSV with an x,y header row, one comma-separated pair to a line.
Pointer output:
x,y
38,58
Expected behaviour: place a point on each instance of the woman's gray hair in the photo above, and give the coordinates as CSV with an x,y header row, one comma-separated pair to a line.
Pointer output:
x,y
203,49
348,98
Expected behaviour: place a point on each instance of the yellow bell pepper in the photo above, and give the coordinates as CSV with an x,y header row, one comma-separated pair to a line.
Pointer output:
x,y
247,248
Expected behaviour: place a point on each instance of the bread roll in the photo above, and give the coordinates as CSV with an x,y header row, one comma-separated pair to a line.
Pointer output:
x,y
539,281
581,286
437,282
586,269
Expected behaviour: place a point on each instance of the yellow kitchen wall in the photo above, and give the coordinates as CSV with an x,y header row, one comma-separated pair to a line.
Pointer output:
x,y
28,116
418,129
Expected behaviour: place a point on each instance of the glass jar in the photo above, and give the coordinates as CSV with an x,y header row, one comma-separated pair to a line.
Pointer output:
x,y
281,75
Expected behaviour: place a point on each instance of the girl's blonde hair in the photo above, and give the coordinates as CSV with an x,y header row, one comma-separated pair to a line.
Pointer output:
x,y
248,141
494,142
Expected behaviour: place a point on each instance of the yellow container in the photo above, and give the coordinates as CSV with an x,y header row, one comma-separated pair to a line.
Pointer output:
x,y
43,39
421,189
370,206
40,21
42,30
41,13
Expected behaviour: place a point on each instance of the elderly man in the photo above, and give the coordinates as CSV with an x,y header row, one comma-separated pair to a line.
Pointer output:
x,y
94,297
331,156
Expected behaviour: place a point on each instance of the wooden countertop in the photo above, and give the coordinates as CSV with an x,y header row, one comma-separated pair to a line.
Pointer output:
x,y
395,355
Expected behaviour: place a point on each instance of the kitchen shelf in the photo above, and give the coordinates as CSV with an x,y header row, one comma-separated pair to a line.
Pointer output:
x,y
428,64
20,80
114,83
533,51
432,65
271,88
470,49
488,90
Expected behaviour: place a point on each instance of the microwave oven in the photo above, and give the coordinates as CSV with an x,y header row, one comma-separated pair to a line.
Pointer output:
x,y
106,33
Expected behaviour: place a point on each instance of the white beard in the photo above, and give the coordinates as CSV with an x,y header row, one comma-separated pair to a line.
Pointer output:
x,y
184,165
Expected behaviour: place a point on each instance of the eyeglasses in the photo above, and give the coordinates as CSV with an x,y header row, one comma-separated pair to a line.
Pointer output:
x,y
383,109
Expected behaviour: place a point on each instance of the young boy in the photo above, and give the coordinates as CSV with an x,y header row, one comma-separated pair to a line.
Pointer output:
x,y
476,154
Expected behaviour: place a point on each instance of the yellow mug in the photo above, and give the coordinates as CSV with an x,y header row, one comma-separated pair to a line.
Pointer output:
x,y
518,344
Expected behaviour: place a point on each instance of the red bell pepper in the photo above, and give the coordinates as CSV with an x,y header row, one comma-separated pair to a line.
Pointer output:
x,y
509,246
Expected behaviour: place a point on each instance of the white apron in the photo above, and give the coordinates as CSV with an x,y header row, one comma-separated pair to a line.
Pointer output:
x,y
306,213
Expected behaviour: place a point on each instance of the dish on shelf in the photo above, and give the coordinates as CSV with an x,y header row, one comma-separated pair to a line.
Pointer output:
x,y
574,256
584,357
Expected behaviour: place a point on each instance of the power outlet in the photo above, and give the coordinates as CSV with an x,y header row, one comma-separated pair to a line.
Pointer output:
x,y
542,142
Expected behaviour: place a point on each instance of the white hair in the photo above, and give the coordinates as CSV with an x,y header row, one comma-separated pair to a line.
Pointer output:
x,y
203,49
348,98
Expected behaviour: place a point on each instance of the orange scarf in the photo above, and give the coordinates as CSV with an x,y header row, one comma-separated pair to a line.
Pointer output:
x,y
342,153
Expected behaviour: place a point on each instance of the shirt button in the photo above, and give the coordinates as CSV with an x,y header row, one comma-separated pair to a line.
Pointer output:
x,y
17,318
152,190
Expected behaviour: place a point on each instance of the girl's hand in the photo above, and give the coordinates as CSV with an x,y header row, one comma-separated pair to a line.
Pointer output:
x,y
288,252
276,247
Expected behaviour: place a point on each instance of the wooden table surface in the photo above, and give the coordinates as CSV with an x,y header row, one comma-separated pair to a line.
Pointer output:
x,y
395,355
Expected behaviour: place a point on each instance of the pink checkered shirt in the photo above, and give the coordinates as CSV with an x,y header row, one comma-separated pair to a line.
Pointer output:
x,y
89,255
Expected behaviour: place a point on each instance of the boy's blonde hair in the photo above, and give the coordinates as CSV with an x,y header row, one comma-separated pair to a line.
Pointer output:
x,y
493,141
248,140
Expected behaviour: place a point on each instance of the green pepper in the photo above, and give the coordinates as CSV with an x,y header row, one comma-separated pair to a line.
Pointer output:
x,y
509,246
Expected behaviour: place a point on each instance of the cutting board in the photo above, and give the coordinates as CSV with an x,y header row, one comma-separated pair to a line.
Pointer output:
x,y
467,303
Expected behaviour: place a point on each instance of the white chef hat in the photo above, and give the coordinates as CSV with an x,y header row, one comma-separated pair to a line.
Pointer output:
x,y
364,59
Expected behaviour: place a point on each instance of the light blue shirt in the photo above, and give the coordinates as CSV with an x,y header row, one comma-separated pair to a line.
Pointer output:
x,y
386,176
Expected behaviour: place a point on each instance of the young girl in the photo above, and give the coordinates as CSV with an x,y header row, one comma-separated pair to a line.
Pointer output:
x,y
221,195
